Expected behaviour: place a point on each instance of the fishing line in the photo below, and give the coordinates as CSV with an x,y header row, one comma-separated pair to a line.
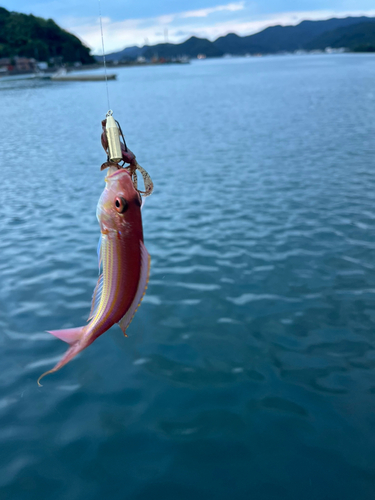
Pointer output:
x,y
105,65
112,132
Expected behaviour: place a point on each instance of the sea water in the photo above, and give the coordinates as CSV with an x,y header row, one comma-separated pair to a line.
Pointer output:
x,y
249,371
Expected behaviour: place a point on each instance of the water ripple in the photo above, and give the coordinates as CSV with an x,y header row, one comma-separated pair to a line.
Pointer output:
x,y
253,354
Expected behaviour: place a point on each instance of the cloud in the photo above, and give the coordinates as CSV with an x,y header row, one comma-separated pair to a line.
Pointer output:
x,y
207,23
166,19
118,34
232,7
250,26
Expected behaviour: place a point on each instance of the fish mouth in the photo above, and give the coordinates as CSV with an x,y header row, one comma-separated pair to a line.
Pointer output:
x,y
118,172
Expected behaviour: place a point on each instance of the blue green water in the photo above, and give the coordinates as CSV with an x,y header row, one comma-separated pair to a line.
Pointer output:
x,y
249,371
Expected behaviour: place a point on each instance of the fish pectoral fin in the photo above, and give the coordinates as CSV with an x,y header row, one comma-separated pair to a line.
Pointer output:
x,y
70,335
141,290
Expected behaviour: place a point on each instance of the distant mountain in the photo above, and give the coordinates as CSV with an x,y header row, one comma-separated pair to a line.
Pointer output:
x,y
127,54
284,38
191,48
30,36
353,33
357,38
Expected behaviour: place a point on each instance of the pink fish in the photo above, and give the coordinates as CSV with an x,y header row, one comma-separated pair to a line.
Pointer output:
x,y
125,262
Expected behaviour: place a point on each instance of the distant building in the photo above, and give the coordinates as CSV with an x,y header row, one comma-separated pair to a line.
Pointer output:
x,y
330,50
24,64
17,64
5,62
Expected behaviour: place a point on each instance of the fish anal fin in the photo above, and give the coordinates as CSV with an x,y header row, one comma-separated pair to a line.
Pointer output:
x,y
141,290
70,335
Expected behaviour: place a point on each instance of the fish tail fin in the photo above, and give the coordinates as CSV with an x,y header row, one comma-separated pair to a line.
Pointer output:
x,y
72,336
69,355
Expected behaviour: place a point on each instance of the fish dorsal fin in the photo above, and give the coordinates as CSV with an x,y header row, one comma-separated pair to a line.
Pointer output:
x,y
141,290
96,296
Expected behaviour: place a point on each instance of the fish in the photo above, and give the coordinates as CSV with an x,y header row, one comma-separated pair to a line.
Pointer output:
x,y
125,265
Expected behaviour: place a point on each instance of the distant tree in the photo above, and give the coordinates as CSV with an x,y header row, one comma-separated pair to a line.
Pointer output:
x,y
30,36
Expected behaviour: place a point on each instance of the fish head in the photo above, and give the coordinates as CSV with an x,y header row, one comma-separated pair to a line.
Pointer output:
x,y
119,207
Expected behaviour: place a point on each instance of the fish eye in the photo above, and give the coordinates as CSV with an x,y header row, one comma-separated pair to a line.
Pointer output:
x,y
121,205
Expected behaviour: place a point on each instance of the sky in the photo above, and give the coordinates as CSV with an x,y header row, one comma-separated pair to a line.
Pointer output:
x,y
137,22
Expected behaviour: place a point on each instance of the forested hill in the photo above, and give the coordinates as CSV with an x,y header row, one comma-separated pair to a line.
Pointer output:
x,y
353,33
30,36
358,37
